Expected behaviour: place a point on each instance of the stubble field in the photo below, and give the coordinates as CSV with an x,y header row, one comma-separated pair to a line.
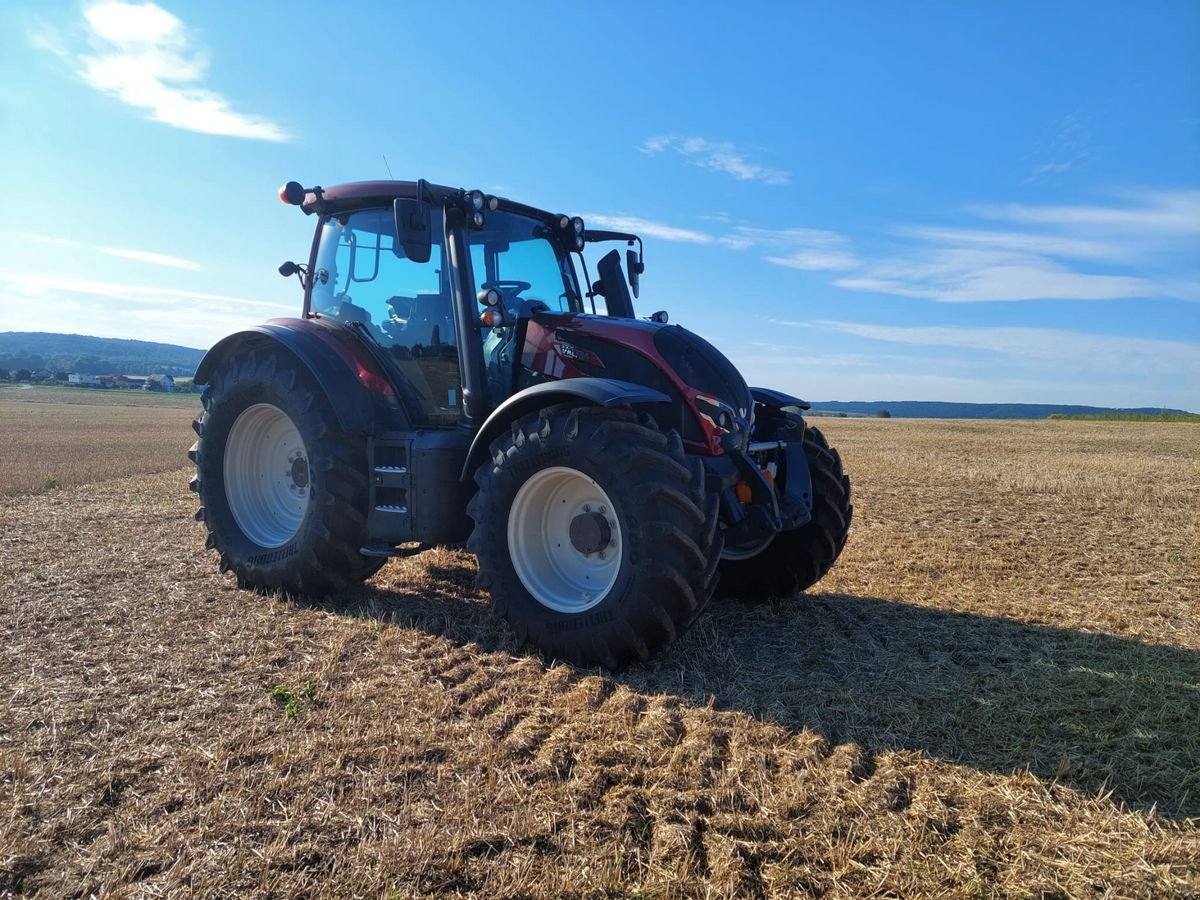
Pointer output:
x,y
996,692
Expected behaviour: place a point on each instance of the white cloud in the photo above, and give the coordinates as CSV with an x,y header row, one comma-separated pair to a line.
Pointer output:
x,y
42,239
1149,212
716,156
796,248
1068,149
649,228
970,276
158,259
800,248
41,284
41,302
1078,349
143,56
1026,242
1156,230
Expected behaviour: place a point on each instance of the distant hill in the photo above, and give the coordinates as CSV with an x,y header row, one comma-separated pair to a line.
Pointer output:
x,y
93,355
936,409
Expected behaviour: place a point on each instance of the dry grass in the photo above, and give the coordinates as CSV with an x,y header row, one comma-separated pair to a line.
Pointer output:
x,y
56,437
998,693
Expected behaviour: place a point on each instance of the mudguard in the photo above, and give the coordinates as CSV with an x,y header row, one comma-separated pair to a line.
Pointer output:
x,y
361,395
598,391
777,398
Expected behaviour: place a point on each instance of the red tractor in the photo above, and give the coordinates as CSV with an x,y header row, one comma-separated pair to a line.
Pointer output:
x,y
455,376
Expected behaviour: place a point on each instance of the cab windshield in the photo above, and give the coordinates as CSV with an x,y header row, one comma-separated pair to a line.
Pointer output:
x,y
363,276
515,253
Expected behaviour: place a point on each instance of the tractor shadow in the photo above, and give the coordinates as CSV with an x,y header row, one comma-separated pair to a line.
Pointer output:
x,y
1100,713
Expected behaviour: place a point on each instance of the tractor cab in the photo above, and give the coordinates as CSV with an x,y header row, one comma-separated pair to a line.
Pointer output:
x,y
448,307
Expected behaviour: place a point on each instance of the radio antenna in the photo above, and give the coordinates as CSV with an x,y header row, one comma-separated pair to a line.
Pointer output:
x,y
389,168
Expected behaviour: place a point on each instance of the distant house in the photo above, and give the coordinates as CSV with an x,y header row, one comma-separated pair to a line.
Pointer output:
x,y
79,378
160,383
122,381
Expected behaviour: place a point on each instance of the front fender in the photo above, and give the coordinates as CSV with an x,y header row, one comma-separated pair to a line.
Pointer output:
x,y
777,399
360,394
597,391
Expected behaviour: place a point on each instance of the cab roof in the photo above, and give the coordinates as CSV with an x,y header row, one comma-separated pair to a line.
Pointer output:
x,y
365,194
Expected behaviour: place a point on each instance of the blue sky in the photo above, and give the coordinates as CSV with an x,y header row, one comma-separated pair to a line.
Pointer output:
x,y
952,201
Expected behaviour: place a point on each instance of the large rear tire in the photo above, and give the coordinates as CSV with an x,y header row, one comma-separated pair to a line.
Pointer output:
x,y
795,560
594,533
283,490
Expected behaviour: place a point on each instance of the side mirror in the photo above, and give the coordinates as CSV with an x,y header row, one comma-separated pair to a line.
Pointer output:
x,y
612,279
288,269
635,268
412,229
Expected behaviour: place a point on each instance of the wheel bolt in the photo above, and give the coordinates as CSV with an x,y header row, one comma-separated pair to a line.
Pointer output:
x,y
587,507
601,510
601,554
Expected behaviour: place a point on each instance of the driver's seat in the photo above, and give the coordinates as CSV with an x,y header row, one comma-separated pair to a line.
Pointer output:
x,y
431,317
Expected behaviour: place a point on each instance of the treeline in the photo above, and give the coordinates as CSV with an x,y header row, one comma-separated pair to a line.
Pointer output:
x,y
1163,416
76,353
936,409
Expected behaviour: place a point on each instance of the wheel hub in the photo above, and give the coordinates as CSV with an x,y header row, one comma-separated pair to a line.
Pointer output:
x,y
590,533
299,472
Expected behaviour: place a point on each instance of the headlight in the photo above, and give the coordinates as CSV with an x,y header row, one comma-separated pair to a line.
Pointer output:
x,y
579,242
477,200
577,224
477,219
493,202
564,223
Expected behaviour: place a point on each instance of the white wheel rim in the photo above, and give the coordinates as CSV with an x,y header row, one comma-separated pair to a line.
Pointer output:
x,y
740,553
564,572
267,479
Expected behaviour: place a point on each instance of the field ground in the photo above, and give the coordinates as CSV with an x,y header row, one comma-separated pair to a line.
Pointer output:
x,y
57,436
996,692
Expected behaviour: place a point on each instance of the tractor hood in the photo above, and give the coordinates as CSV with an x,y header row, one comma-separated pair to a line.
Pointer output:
x,y
667,358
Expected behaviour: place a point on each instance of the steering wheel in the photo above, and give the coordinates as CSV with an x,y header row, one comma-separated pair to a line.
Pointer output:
x,y
508,289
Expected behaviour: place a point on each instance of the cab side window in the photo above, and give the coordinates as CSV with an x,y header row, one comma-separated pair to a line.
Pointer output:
x,y
364,276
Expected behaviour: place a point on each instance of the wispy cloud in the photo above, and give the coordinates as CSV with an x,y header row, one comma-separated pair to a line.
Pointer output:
x,y
811,249
142,55
1053,345
43,239
158,259
716,156
1037,255
1066,246
41,284
972,276
1146,213
796,248
145,312
146,256
650,228
1067,150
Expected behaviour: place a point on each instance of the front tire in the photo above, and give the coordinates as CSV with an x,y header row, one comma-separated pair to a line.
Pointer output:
x,y
793,561
283,490
594,534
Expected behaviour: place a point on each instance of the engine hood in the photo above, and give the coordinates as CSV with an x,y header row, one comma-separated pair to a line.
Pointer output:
x,y
667,358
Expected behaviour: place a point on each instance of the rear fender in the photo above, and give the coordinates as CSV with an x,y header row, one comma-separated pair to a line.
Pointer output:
x,y
360,394
597,391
